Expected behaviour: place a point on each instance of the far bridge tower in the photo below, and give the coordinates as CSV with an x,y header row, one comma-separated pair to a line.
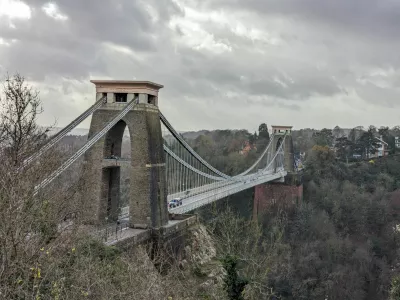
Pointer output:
x,y
289,190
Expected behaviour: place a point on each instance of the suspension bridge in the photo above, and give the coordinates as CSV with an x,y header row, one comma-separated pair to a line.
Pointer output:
x,y
163,166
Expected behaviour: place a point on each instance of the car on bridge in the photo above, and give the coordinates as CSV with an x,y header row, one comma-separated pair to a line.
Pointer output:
x,y
175,202
112,157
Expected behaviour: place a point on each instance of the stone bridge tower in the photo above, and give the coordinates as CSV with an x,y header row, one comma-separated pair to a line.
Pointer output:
x,y
279,133
148,189
282,193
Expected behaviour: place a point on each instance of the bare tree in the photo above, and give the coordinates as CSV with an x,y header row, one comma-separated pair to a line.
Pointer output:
x,y
20,106
245,242
27,222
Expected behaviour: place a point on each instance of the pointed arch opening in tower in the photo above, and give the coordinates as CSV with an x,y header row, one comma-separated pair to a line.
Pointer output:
x,y
278,156
278,143
126,168
116,170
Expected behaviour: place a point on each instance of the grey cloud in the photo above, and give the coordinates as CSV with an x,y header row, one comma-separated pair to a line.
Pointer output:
x,y
259,77
370,17
378,95
272,103
125,23
303,85
47,46
37,60
323,47
357,31
74,49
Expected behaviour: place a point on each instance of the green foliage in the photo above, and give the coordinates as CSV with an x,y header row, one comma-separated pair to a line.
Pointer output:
x,y
234,284
263,131
263,138
343,147
367,143
323,137
337,132
339,243
302,140
223,148
97,250
358,141
319,159
385,133
197,271
395,288
47,226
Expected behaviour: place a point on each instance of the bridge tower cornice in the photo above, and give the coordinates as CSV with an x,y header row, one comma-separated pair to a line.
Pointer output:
x,y
281,129
120,91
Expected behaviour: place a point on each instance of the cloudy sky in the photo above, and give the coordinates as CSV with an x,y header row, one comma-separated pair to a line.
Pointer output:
x,y
224,63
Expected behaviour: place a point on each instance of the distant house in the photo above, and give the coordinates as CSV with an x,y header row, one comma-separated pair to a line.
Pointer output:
x,y
298,164
397,142
246,148
382,150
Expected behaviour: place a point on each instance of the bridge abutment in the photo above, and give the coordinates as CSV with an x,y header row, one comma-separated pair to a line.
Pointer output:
x,y
165,245
278,194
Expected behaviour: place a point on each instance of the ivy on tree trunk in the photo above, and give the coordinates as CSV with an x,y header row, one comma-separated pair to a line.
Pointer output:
x,y
234,284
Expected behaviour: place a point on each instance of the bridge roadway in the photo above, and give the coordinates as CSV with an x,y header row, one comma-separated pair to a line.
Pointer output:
x,y
198,190
196,201
211,186
212,192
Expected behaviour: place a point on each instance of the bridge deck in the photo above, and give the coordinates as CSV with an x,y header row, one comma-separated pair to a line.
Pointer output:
x,y
193,202
215,191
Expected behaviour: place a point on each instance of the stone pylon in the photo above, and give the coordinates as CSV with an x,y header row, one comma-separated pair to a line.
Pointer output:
x,y
279,133
148,189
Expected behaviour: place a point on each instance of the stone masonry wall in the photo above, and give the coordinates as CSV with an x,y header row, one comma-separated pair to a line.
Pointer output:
x,y
148,197
267,196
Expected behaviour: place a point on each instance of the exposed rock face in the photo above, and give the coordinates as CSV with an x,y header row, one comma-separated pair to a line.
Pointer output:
x,y
201,259
201,249
198,276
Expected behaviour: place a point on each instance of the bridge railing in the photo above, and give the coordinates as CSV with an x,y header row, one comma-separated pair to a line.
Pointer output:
x,y
111,231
